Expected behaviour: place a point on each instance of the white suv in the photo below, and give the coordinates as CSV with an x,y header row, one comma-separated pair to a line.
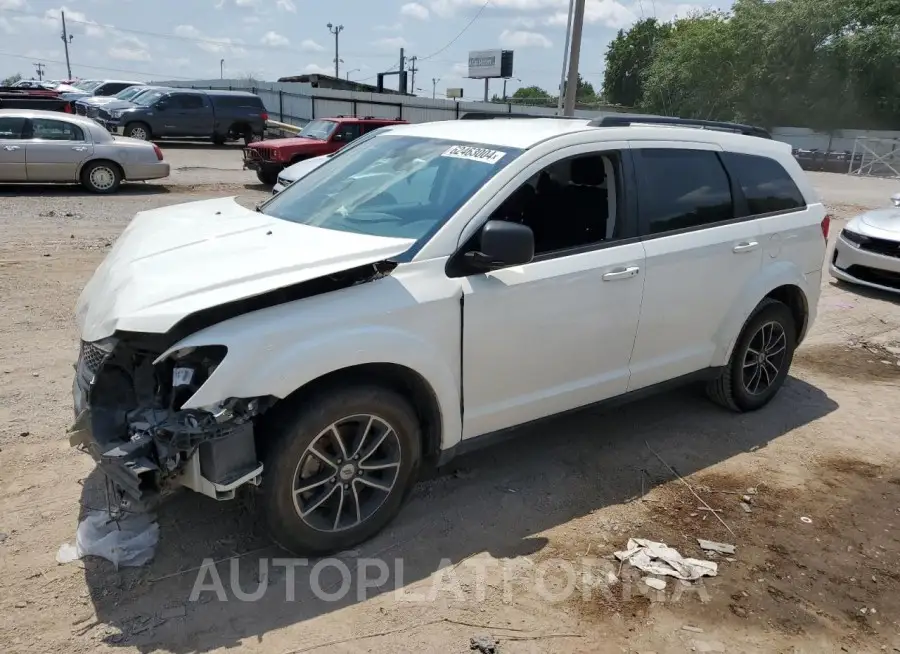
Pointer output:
x,y
434,286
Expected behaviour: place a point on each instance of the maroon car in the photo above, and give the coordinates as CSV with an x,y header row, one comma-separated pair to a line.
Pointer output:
x,y
320,136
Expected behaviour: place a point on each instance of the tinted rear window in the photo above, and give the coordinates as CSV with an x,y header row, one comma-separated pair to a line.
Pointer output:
x,y
681,189
766,184
236,101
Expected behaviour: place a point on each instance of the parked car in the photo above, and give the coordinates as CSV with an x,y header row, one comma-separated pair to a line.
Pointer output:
x,y
44,146
318,137
98,88
188,113
867,251
122,98
33,99
34,84
302,168
320,346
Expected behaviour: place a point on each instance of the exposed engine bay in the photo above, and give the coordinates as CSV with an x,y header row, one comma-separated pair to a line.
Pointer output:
x,y
129,417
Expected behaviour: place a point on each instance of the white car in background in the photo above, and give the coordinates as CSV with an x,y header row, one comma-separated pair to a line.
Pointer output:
x,y
302,168
867,252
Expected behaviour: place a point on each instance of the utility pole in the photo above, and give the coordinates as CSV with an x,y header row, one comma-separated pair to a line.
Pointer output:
x,y
434,81
412,69
221,69
486,89
562,76
66,39
336,30
572,84
39,67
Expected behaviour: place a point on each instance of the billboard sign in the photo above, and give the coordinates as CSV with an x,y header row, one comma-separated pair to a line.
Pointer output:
x,y
454,93
485,63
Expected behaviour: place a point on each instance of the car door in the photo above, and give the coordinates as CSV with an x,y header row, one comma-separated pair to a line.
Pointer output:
x,y
12,149
55,150
700,256
557,333
346,132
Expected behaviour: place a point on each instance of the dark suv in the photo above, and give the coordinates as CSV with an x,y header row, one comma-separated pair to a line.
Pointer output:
x,y
317,138
188,113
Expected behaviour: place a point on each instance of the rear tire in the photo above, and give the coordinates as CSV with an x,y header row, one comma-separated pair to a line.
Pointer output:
x,y
378,447
218,139
760,360
139,131
101,177
266,177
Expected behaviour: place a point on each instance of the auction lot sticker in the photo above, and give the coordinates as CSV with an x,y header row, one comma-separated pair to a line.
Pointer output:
x,y
474,153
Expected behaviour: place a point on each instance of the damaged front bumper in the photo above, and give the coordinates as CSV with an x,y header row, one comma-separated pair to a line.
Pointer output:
x,y
144,442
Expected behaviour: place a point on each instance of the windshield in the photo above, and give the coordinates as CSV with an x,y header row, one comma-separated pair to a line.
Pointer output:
x,y
87,85
148,98
318,129
394,186
127,94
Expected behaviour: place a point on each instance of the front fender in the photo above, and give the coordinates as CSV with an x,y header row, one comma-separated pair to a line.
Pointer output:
x,y
252,369
773,275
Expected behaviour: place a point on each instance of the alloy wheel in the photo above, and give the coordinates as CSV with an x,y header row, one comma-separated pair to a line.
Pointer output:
x,y
764,358
346,473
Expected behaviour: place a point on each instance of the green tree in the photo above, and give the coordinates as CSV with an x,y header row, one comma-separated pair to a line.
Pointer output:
x,y
12,79
627,58
531,93
584,92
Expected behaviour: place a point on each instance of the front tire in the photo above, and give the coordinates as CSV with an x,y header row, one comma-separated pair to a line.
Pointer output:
x,y
139,131
101,177
339,468
267,177
760,361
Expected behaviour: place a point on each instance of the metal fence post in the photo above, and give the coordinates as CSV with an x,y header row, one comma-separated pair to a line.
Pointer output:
x,y
355,109
400,110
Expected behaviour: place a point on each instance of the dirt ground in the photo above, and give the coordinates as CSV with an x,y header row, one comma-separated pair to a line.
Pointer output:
x,y
511,543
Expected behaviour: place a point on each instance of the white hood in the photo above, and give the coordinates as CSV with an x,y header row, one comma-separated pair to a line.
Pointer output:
x,y
175,261
302,168
879,223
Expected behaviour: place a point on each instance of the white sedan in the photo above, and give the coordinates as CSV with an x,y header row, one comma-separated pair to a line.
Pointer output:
x,y
50,146
867,251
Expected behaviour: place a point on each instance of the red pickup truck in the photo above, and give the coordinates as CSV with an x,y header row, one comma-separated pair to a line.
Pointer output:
x,y
320,136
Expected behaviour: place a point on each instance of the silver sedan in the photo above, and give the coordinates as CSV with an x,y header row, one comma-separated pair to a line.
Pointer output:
x,y
49,146
867,251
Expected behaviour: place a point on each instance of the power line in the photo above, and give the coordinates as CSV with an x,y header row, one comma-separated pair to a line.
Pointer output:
x,y
461,32
103,68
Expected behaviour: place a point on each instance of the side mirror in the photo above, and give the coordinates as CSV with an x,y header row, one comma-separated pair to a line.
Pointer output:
x,y
503,244
896,199
337,137
161,105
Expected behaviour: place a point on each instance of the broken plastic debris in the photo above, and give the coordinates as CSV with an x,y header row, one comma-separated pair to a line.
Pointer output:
x,y
660,559
806,520
746,507
653,582
713,546
130,542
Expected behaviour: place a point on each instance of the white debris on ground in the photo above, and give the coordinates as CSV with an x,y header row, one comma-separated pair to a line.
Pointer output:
x,y
129,541
713,546
660,559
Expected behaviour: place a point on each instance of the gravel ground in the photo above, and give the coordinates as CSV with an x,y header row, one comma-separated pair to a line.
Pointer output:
x,y
500,544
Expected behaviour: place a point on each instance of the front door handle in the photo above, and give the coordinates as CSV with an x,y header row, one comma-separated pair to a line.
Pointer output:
x,y
746,246
621,273
79,148
11,148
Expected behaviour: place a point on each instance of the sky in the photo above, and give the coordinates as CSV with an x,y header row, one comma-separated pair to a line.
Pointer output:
x,y
187,39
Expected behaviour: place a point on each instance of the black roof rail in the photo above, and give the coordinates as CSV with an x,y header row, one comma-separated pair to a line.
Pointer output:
x,y
487,115
625,120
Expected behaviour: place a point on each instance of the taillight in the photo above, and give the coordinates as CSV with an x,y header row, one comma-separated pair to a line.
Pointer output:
x,y
159,154
265,116
826,223
67,108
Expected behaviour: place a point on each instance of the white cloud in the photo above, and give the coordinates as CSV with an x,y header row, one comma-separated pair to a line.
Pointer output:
x,y
669,11
247,3
5,25
317,69
12,4
523,39
308,45
214,45
128,54
251,20
394,27
414,10
606,12
287,5
391,43
524,22
459,71
274,40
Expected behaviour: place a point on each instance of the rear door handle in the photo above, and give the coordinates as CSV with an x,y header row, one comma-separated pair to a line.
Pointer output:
x,y
746,246
79,148
621,273
11,148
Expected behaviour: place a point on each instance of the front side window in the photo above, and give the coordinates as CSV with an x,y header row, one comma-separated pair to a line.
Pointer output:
x,y
347,132
127,94
394,186
186,101
318,129
11,128
46,129
682,189
766,184
148,98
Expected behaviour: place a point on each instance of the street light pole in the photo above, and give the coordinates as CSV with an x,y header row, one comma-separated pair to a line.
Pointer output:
x,y
336,30
504,86
434,81
562,75
355,70
572,83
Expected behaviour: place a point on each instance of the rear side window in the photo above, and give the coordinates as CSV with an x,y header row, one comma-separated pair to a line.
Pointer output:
x,y
766,184
11,128
682,189
237,101
47,129
187,101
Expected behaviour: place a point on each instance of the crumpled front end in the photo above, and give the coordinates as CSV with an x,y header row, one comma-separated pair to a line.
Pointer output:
x,y
129,418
